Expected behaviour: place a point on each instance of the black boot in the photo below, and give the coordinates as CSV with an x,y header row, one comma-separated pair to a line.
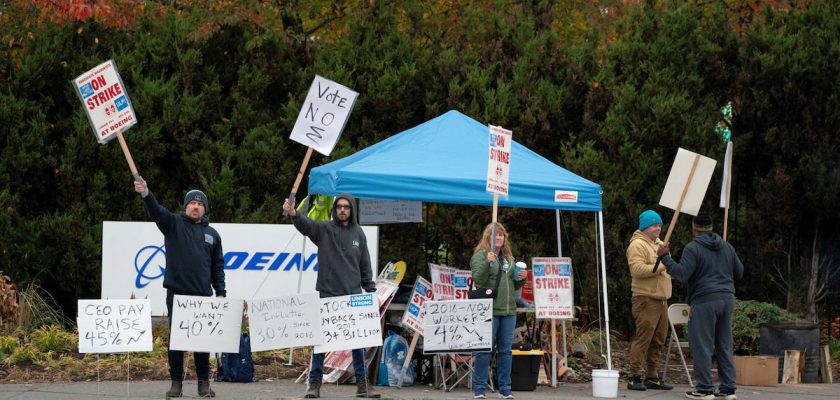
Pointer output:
x,y
313,391
365,390
176,390
204,389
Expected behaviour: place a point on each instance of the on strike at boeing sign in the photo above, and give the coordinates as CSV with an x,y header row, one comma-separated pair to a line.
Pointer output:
x,y
498,163
350,322
261,261
323,115
205,324
284,322
415,313
114,326
450,283
458,325
553,287
105,101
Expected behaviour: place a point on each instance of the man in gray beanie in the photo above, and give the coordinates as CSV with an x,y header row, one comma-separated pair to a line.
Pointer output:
x,y
709,266
194,267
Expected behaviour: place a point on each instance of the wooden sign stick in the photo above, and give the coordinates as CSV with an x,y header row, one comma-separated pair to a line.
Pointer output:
x,y
679,205
409,355
299,177
128,158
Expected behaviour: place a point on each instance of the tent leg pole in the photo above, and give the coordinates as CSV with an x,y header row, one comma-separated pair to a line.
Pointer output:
x,y
604,275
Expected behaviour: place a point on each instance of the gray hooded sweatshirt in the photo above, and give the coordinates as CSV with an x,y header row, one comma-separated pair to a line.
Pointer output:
x,y
709,266
343,257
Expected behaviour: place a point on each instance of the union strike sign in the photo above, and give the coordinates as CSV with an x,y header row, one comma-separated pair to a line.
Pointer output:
x,y
105,101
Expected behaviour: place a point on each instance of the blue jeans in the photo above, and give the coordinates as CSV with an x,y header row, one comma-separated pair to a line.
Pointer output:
x,y
502,340
316,370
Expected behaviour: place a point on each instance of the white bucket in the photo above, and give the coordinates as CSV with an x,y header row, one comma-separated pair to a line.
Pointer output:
x,y
605,383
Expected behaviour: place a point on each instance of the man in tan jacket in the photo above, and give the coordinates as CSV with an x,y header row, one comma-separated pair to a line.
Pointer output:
x,y
651,292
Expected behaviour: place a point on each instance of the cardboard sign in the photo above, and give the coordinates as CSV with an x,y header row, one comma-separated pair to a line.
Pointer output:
x,y
349,322
498,162
553,287
415,312
678,180
323,115
450,283
114,326
284,322
206,324
373,212
458,326
105,101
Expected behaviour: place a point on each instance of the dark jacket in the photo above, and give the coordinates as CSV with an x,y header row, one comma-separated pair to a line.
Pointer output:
x,y
709,266
343,257
194,260
484,276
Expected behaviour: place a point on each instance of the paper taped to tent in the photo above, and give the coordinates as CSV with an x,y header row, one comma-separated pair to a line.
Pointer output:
x,y
444,160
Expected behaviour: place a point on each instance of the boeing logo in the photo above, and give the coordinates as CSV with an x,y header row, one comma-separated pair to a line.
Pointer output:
x,y
143,258
247,261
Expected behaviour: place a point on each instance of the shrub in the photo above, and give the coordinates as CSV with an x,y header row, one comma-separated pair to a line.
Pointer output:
x,y
37,308
22,355
746,320
53,338
8,344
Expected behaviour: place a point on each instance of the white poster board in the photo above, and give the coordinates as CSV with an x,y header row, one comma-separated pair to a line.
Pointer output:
x,y
373,212
456,326
105,101
284,322
553,287
323,115
415,311
678,178
450,283
349,322
206,324
498,162
114,326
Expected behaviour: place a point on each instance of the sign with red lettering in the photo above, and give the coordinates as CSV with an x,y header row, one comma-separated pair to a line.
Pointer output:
x,y
498,163
323,115
105,101
416,310
450,283
553,287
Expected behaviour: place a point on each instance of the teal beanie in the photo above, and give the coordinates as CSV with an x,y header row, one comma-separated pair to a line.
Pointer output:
x,y
648,218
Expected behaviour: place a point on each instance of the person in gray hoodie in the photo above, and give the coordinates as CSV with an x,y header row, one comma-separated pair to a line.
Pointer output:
x,y
194,267
343,269
709,266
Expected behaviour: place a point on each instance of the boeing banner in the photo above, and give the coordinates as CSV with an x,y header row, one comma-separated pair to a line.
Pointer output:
x,y
261,261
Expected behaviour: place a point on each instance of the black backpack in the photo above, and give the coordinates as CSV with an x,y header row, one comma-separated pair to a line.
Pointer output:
x,y
232,367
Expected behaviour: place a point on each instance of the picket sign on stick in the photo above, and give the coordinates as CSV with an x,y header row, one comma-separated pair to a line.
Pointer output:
x,y
690,176
726,186
415,313
498,170
321,120
107,106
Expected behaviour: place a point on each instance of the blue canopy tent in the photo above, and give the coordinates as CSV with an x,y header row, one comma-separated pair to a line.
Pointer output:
x,y
444,160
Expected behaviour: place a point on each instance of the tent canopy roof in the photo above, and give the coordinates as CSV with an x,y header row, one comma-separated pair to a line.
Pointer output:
x,y
444,160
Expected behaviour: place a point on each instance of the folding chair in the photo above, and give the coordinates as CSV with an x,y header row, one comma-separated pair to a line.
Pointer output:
x,y
677,316
461,367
